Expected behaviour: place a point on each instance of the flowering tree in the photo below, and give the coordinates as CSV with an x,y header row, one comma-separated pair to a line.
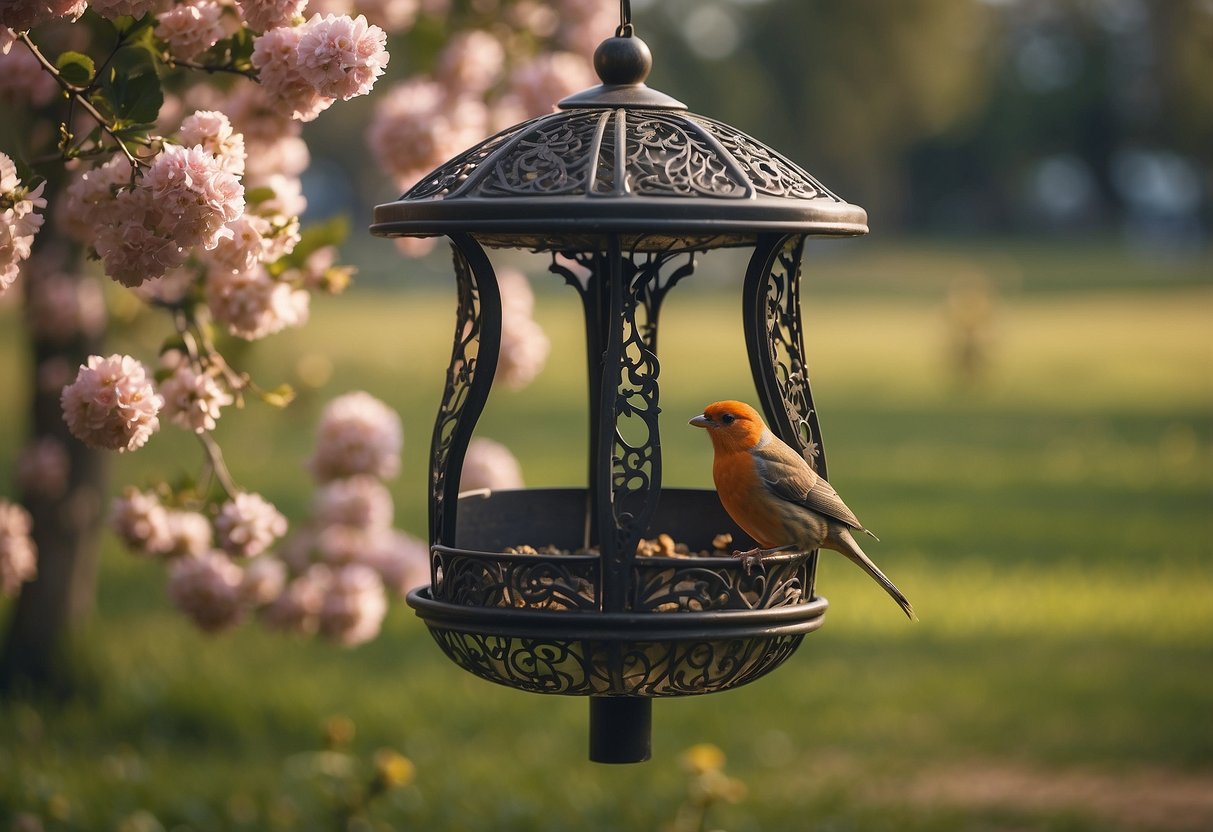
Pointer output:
x,y
160,144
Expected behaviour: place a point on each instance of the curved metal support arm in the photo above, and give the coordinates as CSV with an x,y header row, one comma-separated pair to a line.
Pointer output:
x,y
774,338
468,381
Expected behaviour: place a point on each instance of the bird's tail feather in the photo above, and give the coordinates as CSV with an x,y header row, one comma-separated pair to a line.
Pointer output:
x,y
851,549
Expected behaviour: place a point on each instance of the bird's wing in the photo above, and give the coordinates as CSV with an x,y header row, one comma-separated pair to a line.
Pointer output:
x,y
791,478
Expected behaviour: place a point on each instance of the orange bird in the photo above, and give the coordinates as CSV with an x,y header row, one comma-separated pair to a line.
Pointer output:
x,y
771,492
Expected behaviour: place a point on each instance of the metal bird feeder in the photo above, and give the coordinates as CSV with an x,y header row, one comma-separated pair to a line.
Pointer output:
x,y
621,187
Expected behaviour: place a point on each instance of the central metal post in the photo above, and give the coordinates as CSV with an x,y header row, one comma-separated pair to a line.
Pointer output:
x,y
621,729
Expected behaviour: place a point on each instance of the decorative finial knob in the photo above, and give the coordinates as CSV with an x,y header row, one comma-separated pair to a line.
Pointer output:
x,y
623,60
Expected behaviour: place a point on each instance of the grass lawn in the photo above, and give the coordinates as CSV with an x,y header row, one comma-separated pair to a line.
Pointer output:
x,y
1051,522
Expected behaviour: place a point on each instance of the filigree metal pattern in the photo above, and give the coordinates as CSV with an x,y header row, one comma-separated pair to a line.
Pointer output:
x,y
519,581
768,172
450,177
671,586
469,378
549,159
616,668
666,159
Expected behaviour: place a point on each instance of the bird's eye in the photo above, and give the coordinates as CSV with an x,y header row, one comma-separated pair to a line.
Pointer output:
x,y
728,418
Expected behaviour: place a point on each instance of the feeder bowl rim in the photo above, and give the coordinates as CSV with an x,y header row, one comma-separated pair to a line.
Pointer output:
x,y
659,561
573,625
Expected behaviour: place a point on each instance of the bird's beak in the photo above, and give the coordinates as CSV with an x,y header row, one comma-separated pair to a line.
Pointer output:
x,y
700,421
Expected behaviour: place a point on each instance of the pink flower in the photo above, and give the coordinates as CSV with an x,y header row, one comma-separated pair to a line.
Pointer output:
x,y
358,434
212,131
354,605
585,24
43,468
141,522
517,297
542,83
276,57
18,554
122,8
263,15
189,534
193,197
393,15
524,351
252,305
489,464
248,525
20,15
19,220
91,195
23,81
419,125
402,561
207,589
191,28
193,400
341,57
297,609
264,579
471,63
360,501
130,242
111,404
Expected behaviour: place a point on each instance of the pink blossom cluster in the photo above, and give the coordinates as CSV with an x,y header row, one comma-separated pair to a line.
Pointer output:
x,y
585,23
251,304
524,344
392,15
489,464
112,405
183,201
23,81
207,588
358,434
20,15
19,220
125,8
263,15
347,555
148,527
247,525
192,27
306,68
18,555
192,398
542,82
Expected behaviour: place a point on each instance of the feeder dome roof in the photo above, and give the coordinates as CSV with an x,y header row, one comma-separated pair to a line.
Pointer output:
x,y
619,158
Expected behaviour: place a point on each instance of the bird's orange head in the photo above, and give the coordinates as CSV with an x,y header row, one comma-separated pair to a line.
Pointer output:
x,y
732,426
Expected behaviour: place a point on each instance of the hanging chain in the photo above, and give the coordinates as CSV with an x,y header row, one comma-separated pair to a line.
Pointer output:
x,y
625,29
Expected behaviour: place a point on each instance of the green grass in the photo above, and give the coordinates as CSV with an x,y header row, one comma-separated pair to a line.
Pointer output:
x,y
1051,524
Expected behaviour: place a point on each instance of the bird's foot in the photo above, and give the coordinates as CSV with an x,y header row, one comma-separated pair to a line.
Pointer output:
x,y
751,559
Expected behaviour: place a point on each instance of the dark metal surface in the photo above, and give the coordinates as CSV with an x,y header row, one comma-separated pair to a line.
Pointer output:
x,y
469,379
617,654
661,178
621,728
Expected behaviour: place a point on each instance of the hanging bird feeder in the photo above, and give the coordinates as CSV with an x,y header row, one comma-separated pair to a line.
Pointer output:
x,y
621,188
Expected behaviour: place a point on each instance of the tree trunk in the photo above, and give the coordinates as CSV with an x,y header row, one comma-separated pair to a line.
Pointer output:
x,y
38,656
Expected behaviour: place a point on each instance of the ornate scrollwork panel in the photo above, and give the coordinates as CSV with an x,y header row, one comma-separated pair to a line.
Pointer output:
x,y
469,378
523,582
775,341
666,159
768,172
637,284
667,586
616,668
450,177
548,159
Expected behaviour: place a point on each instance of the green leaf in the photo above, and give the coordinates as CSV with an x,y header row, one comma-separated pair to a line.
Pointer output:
x,y
76,68
255,196
331,232
132,86
280,396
